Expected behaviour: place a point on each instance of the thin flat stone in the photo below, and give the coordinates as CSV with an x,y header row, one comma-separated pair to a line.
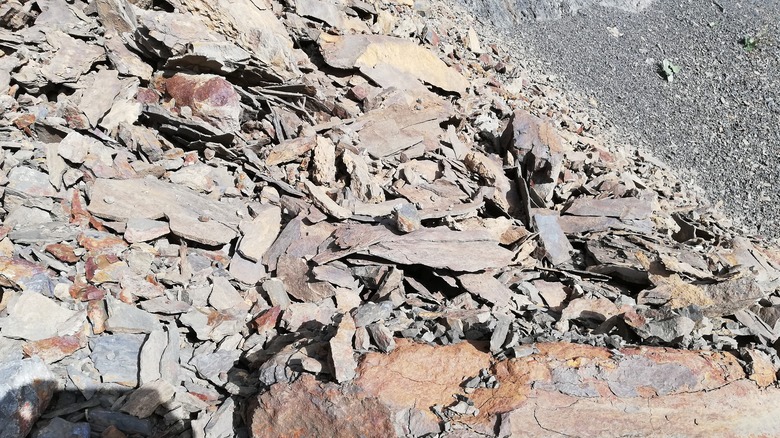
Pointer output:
x,y
143,401
342,357
622,208
116,357
35,317
126,318
144,230
556,245
260,233
151,351
30,182
225,297
487,287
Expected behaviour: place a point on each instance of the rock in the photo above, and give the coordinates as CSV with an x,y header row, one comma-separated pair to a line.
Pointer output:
x,y
407,219
260,233
210,97
125,318
368,51
290,410
144,230
53,349
487,287
30,182
143,401
557,247
26,388
621,208
59,428
324,161
103,418
35,317
225,297
368,313
323,201
341,354
116,357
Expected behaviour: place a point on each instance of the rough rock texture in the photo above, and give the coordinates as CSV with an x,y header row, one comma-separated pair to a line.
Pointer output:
x,y
558,388
26,388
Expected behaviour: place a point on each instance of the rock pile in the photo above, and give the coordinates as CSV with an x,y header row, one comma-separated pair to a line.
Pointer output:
x,y
220,217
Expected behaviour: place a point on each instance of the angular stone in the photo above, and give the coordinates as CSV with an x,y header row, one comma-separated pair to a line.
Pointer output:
x,y
149,360
323,201
60,428
190,214
53,349
341,354
260,233
144,230
246,271
30,182
324,161
556,246
116,357
126,318
621,208
505,193
370,312
225,297
368,51
73,57
487,287
35,317
210,97
26,388
382,336
293,410
407,218
143,401
276,292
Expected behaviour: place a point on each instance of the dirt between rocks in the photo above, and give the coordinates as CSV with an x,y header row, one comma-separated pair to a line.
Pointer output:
x,y
243,218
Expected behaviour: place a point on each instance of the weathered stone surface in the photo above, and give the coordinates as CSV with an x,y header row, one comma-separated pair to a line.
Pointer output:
x,y
210,97
557,247
621,208
191,215
368,51
341,354
26,388
304,409
144,230
116,357
126,318
148,397
260,233
35,317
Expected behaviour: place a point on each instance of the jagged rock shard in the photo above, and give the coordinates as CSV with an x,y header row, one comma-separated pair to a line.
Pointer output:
x,y
539,148
557,247
368,51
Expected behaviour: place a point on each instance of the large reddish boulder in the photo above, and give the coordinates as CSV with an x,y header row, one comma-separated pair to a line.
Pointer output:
x,y
557,388
210,97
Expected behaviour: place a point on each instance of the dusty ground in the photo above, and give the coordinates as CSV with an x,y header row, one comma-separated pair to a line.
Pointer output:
x,y
716,122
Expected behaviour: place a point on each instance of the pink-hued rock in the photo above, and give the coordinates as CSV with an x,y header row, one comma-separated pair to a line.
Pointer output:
x,y
210,97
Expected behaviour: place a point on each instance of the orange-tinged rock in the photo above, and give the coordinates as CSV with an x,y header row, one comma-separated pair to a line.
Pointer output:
x,y
308,408
52,349
559,389
62,252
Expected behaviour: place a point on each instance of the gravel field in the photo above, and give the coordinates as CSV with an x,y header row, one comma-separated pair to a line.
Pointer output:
x,y
716,122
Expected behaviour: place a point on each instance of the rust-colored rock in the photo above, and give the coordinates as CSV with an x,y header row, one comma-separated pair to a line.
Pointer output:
x,y
310,408
210,97
561,388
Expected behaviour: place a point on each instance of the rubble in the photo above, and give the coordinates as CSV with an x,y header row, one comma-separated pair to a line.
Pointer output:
x,y
347,218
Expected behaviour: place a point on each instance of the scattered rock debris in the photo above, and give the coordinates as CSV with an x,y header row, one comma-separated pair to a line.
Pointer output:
x,y
219,218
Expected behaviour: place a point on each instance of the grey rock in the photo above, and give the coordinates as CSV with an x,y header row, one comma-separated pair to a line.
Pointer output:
x,y
60,428
260,233
225,297
169,362
246,271
556,246
151,352
116,357
34,317
370,312
277,294
29,182
382,337
214,366
126,318
407,218
26,387
667,330
341,356
149,396
144,230
102,418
